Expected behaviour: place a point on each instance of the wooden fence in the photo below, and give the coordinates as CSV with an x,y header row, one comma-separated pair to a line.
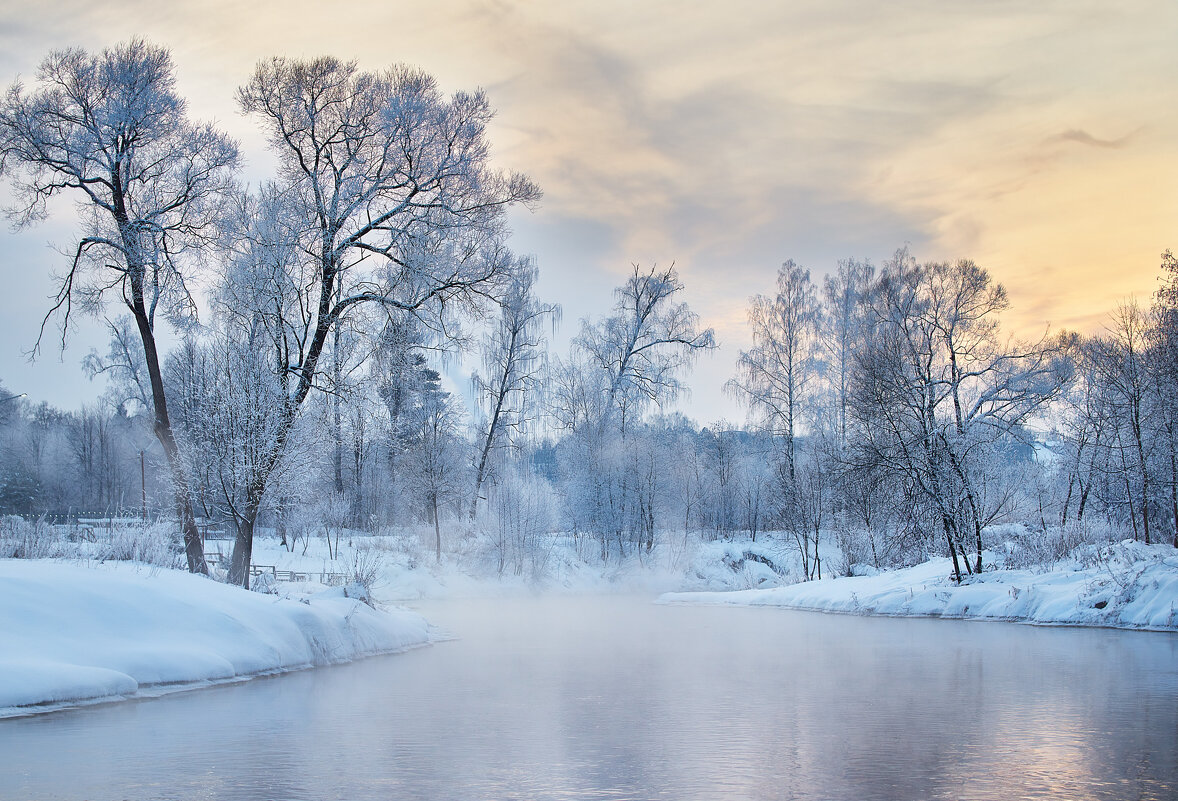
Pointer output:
x,y
331,579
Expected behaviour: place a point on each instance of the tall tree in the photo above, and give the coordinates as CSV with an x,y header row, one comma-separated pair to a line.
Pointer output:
x,y
1165,382
512,354
641,348
437,456
939,394
386,189
621,364
110,131
774,376
1123,364
845,297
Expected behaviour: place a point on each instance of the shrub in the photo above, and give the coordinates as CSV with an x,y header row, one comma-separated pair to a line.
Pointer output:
x,y
27,539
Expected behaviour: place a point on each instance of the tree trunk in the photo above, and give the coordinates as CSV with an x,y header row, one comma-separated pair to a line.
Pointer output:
x,y
437,529
952,548
243,545
243,550
978,539
193,546
144,320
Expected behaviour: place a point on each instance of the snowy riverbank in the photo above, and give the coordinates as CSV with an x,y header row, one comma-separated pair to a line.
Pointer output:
x,y
78,632
1124,586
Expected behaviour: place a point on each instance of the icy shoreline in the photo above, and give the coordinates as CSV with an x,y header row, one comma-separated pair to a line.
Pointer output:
x,y
86,633
1136,589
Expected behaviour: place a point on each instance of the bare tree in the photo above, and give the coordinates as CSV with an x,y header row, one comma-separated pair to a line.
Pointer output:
x,y
512,363
620,365
938,394
438,457
110,131
776,379
644,344
774,376
385,199
1122,361
1165,383
846,294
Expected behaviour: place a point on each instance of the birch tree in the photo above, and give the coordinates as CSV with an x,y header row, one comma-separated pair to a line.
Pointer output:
x,y
1122,360
643,346
438,456
110,131
773,378
512,364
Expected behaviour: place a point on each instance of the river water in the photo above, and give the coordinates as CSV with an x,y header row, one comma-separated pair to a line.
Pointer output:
x,y
618,698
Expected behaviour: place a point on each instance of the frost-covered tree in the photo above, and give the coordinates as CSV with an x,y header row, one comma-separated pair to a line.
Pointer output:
x,y
643,346
621,365
939,395
109,130
776,379
1122,360
513,354
1164,379
228,409
773,378
438,457
385,198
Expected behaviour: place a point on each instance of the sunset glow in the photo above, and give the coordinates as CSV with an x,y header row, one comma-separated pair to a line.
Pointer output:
x,y
1039,141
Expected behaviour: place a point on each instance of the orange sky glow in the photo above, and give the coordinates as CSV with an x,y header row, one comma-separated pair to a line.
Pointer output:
x,y
1040,140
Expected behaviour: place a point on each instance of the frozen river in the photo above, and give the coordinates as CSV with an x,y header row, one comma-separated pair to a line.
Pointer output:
x,y
612,698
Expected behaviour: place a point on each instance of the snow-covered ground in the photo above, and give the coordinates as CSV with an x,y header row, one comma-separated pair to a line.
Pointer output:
x,y
404,568
80,630
88,632
1129,585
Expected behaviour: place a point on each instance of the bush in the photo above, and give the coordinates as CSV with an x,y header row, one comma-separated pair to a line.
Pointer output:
x,y
518,517
1027,547
365,567
155,544
26,539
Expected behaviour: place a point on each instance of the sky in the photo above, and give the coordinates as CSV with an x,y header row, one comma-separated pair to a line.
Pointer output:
x,y
1038,139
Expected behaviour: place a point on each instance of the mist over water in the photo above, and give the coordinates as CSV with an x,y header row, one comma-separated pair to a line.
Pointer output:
x,y
617,698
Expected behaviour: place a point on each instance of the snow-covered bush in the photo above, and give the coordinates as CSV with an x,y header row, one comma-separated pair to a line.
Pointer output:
x,y
1027,546
263,583
155,544
366,565
721,565
27,539
854,549
518,518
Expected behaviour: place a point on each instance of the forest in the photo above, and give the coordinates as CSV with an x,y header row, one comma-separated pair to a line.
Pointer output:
x,y
890,415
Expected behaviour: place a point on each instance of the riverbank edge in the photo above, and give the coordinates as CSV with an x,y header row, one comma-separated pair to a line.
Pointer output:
x,y
147,692
1139,595
74,635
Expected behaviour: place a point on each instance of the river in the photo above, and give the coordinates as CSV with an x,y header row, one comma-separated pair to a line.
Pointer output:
x,y
619,698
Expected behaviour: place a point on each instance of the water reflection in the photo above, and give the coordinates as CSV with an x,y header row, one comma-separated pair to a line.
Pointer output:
x,y
616,698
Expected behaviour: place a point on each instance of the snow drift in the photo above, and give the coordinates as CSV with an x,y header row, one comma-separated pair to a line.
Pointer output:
x,y
1124,586
74,632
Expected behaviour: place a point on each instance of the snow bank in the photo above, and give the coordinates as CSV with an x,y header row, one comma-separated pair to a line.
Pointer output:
x,y
71,632
740,564
1127,586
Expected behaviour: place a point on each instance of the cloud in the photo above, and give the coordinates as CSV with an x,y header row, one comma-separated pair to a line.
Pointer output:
x,y
730,137
1085,138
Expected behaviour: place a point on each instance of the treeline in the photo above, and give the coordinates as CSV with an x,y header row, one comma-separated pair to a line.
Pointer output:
x,y
84,462
890,415
888,411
